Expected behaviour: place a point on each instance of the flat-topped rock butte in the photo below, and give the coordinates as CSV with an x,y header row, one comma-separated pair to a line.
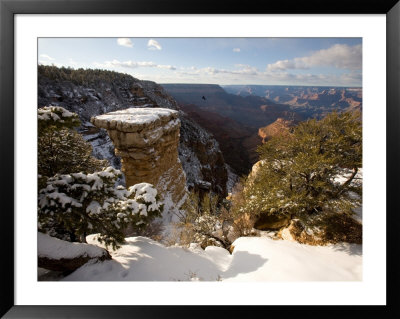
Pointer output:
x,y
147,141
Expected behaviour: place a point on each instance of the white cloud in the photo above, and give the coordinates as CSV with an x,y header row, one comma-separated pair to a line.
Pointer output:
x,y
242,69
246,69
45,56
168,67
153,45
133,64
236,50
241,73
213,75
125,42
248,74
341,56
142,64
190,68
285,78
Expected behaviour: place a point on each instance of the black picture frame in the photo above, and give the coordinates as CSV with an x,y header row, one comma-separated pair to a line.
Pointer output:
x,y
8,8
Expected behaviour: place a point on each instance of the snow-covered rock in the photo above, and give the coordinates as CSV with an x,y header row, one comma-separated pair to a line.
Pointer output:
x,y
147,141
59,255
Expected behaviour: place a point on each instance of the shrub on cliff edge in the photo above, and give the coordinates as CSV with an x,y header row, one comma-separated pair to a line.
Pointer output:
x,y
310,171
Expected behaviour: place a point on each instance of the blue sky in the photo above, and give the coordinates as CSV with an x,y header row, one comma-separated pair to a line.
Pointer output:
x,y
268,61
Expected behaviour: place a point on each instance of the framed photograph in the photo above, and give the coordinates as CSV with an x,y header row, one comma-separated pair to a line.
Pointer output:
x,y
347,54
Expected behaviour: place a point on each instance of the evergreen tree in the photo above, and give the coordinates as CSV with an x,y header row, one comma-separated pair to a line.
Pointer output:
x,y
61,149
309,171
83,76
83,204
77,195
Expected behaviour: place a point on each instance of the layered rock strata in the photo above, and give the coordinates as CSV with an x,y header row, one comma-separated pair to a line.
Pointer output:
x,y
97,92
147,141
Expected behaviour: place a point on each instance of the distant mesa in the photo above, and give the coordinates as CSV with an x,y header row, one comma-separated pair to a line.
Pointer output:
x,y
306,100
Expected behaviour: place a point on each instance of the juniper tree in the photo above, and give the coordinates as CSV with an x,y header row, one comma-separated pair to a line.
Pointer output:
x,y
81,204
60,148
310,171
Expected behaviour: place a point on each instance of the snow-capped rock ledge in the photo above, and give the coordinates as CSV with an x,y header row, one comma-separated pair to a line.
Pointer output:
x,y
147,141
58,255
136,119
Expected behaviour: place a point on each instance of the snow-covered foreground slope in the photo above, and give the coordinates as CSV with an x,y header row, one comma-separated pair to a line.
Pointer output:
x,y
253,259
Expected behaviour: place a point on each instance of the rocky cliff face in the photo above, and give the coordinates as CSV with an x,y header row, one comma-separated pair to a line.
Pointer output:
x,y
147,141
236,141
202,159
102,92
279,127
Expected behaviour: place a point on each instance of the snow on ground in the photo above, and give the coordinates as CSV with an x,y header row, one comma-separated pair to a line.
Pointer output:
x,y
358,214
357,180
284,260
253,259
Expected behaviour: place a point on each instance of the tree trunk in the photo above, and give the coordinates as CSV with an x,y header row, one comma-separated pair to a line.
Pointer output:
x,y
346,183
83,238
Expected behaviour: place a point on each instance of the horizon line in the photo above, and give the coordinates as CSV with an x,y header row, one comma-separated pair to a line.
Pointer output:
x,y
296,85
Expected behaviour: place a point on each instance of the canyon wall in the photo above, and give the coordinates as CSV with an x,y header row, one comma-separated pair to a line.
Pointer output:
x,y
90,93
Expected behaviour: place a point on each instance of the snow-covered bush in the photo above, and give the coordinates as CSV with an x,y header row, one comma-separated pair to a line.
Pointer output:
x,y
56,116
202,222
82,204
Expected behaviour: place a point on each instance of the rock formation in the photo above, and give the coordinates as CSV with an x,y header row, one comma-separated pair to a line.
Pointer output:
x,y
266,221
147,141
270,221
59,255
280,127
93,92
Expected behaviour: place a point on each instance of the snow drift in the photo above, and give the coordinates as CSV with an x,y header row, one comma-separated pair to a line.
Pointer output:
x,y
253,259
